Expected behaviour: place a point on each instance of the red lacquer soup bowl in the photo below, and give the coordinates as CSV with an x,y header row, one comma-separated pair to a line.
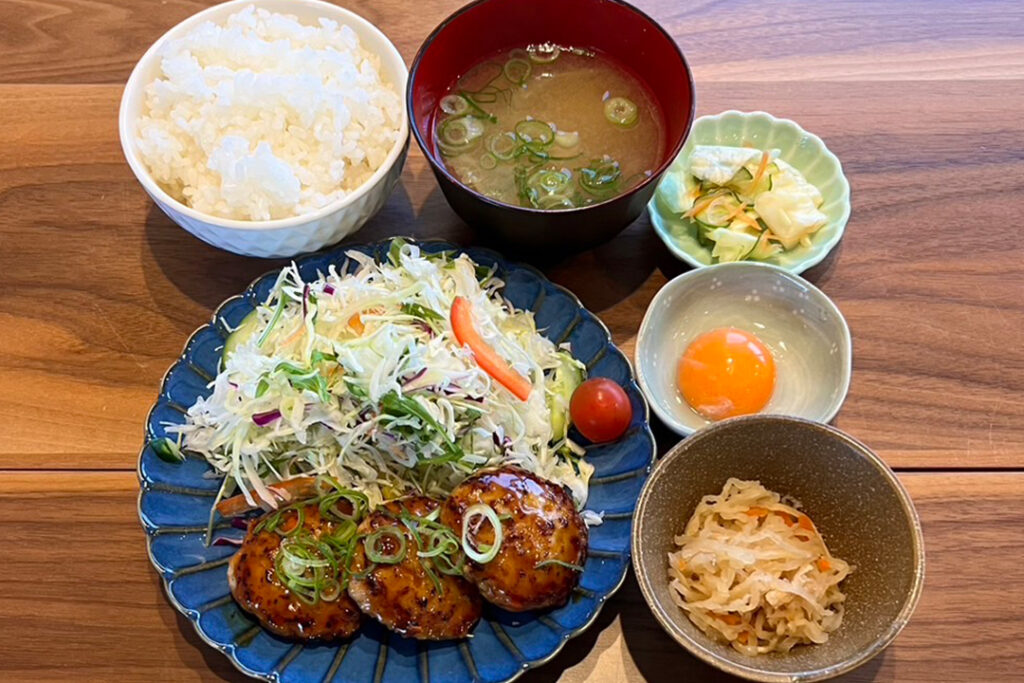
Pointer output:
x,y
616,30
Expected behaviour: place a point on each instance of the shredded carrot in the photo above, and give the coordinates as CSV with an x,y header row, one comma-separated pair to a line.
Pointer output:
x,y
787,518
334,372
744,218
738,210
806,523
765,157
356,323
823,564
700,206
742,637
731,619
296,335
757,512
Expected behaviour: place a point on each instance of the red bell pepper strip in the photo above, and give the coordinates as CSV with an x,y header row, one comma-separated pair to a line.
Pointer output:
x,y
486,357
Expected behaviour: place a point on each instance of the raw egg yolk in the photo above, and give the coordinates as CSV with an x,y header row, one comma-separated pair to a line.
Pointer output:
x,y
726,372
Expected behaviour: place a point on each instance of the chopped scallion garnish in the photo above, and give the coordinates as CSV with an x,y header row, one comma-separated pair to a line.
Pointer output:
x,y
472,521
167,450
621,111
559,563
378,556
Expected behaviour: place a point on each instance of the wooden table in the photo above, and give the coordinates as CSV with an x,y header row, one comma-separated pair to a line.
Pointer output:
x,y
922,100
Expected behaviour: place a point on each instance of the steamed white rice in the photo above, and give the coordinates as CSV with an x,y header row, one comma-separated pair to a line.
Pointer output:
x,y
265,117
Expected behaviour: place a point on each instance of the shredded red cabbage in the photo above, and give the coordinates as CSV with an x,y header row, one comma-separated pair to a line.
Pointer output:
x,y
263,419
223,540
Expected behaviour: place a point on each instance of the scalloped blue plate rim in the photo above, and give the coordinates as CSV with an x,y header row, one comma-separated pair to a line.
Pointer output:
x,y
145,484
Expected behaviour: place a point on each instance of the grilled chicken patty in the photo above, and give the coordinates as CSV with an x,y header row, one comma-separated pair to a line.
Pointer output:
x,y
257,589
402,596
541,527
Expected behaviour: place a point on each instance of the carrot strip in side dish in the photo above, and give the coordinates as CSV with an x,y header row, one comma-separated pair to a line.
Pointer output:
x,y
761,168
700,206
740,208
787,518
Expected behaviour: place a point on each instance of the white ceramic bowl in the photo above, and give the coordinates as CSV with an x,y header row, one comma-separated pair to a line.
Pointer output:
x,y
806,333
803,150
285,236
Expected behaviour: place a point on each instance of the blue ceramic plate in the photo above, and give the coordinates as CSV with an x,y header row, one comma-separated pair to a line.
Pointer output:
x,y
175,501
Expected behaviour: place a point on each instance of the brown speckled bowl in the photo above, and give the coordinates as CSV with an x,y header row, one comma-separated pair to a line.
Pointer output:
x,y
859,506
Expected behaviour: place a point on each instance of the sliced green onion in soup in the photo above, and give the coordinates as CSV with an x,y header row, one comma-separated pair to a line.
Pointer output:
x,y
504,145
455,105
601,176
488,161
517,70
532,131
459,134
621,111
550,181
482,96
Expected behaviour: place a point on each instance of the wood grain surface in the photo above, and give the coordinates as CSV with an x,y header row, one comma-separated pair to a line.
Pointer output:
x,y
920,99
79,599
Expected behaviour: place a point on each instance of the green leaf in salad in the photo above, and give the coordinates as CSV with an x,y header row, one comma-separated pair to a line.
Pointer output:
x,y
318,357
406,406
395,251
423,313
168,451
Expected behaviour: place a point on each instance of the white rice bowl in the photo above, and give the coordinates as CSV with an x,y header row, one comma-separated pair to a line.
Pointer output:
x,y
264,117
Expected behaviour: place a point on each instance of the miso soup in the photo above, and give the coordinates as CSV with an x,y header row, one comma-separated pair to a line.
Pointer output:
x,y
549,127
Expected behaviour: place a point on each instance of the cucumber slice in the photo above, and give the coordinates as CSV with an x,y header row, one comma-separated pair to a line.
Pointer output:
x,y
742,176
764,249
245,331
742,182
563,382
707,186
718,212
705,227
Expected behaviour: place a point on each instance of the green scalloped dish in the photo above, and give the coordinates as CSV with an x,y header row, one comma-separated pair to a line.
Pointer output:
x,y
801,149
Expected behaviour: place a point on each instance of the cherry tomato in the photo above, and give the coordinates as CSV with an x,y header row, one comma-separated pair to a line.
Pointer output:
x,y
600,409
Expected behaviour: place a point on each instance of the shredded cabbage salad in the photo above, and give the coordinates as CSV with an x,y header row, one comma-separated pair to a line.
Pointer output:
x,y
359,377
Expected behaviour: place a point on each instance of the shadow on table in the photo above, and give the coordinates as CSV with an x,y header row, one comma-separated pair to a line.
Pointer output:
x,y
173,259
611,272
647,647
